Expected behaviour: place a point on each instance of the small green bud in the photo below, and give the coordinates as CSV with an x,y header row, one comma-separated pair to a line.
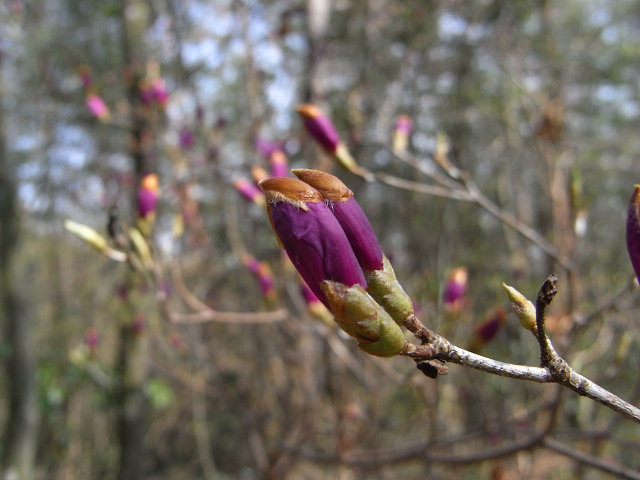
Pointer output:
x,y
383,286
93,238
362,318
522,307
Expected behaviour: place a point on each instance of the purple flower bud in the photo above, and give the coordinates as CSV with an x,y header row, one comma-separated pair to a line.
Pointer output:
x,y
249,191
147,201
148,195
319,127
401,132
91,339
267,147
187,139
310,234
262,271
488,329
633,230
97,107
278,162
347,211
160,92
455,289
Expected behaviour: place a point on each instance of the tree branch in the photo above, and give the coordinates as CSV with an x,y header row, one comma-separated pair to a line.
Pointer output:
x,y
553,369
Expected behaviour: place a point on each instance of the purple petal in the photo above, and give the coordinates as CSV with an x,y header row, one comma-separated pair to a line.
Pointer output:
x,y
316,245
403,124
633,230
267,147
361,236
147,200
319,127
278,162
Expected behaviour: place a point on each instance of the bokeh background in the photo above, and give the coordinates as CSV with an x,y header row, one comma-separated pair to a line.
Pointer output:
x,y
180,367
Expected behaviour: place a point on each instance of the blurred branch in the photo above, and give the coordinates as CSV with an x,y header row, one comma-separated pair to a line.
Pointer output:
x,y
460,186
585,459
207,314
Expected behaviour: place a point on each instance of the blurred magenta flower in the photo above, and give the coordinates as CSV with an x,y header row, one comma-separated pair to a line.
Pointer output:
x,y
91,339
315,306
160,92
249,191
310,234
98,108
138,324
267,147
84,72
186,138
488,329
350,216
633,230
319,127
148,195
263,273
278,161
324,133
258,173
453,297
401,133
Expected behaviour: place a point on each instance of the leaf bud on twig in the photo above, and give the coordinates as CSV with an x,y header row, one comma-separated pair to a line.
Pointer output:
x,y
522,307
364,319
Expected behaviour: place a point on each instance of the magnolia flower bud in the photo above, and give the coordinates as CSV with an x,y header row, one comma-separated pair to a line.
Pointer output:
x,y
633,230
310,234
148,195
278,162
488,329
522,307
249,191
98,107
401,132
258,173
455,290
262,271
362,318
381,281
324,133
353,220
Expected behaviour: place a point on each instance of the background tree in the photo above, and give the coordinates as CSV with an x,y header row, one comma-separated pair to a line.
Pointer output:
x,y
536,102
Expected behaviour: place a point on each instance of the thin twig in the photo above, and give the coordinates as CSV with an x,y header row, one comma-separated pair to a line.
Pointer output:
x,y
554,368
210,315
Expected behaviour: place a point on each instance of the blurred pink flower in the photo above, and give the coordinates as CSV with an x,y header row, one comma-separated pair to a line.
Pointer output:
x,y
455,290
97,107
263,273
249,191
278,162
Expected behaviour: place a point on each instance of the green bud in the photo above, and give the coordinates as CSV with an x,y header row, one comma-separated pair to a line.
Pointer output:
x,y
383,286
362,318
93,238
522,307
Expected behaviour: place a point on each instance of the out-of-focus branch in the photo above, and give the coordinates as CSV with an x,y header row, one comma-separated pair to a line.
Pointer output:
x,y
585,459
229,317
459,186
206,314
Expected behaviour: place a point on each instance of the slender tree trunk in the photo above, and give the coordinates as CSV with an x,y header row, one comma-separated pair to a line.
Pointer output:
x,y
21,432
134,337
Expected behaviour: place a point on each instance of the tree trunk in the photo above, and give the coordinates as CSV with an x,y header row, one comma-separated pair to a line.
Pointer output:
x,y
20,437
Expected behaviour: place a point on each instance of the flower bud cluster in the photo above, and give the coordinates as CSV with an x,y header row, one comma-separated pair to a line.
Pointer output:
x,y
332,245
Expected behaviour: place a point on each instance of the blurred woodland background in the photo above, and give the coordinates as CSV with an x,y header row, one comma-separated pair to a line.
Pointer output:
x,y
179,367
